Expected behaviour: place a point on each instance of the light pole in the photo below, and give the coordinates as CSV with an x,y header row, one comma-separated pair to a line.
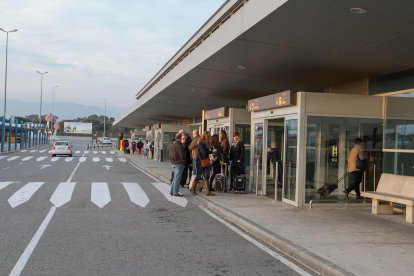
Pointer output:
x,y
41,95
104,118
5,90
53,96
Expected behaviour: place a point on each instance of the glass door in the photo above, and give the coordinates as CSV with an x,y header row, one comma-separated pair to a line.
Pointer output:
x,y
274,156
258,158
290,160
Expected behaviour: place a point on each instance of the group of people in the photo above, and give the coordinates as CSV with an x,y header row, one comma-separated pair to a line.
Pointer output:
x,y
146,147
201,158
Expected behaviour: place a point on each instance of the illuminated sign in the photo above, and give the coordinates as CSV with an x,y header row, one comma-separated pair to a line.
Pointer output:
x,y
215,113
277,100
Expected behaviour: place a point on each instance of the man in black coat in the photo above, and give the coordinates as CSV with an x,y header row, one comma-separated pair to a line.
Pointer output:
x,y
237,153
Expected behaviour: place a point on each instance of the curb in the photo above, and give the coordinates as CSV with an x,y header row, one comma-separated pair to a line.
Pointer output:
x,y
310,260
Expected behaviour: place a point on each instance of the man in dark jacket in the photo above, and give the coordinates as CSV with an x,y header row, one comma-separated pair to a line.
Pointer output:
x,y
177,157
237,152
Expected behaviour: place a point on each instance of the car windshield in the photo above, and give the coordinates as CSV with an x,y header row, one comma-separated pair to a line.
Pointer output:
x,y
62,143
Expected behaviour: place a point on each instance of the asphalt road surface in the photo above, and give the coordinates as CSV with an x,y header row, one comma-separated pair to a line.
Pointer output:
x,y
97,214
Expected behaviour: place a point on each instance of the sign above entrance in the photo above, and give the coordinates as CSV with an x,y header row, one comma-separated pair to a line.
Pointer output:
x,y
216,113
272,101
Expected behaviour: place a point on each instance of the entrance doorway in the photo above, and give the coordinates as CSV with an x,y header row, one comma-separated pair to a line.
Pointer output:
x,y
275,158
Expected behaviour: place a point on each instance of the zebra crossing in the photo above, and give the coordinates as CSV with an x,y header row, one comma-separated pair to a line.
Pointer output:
x,y
100,194
94,159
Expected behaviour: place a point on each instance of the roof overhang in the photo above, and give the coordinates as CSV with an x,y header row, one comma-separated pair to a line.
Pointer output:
x,y
270,46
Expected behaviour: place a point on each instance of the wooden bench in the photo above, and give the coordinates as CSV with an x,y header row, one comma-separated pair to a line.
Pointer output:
x,y
393,189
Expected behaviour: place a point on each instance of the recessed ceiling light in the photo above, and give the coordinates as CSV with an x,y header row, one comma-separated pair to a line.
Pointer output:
x,y
358,10
241,67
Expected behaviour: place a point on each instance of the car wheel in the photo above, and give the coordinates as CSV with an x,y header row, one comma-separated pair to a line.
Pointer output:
x,y
53,155
70,155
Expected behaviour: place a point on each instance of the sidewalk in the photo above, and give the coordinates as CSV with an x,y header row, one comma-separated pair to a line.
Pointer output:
x,y
333,239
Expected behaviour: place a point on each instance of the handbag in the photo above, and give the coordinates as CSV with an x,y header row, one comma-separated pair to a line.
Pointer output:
x,y
205,162
361,164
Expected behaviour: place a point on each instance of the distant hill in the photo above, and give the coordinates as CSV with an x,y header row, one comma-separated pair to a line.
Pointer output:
x,y
61,109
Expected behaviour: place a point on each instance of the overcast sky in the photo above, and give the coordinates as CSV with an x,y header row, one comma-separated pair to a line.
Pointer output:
x,y
92,49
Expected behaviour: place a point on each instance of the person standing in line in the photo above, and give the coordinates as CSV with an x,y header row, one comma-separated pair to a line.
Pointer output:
x,y
355,174
196,174
217,154
237,152
133,146
204,152
177,157
139,146
188,157
225,146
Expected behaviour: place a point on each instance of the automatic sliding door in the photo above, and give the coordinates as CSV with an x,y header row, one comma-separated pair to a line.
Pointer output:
x,y
291,143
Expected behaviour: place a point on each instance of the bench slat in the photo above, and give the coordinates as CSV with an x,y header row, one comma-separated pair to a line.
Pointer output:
x,y
389,197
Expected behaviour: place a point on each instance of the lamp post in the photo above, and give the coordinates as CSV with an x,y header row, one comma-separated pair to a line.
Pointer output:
x,y
104,118
41,95
53,96
3,132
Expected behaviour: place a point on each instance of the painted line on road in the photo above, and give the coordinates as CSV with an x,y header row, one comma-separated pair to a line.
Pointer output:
x,y
1,157
33,151
77,152
21,263
96,159
41,158
13,158
136,193
123,160
109,160
63,193
68,159
42,151
144,172
27,158
95,152
5,184
23,150
82,159
24,194
100,195
269,251
165,190
103,152
54,159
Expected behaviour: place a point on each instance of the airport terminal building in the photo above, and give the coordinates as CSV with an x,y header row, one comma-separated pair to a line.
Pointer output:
x,y
302,78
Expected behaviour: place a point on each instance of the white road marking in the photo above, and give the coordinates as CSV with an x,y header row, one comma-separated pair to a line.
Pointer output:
x,y
108,159
136,193
27,158
54,159
103,152
95,152
107,167
13,158
41,158
82,159
5,184
77,152
63,193
23,150
165,190
33,150
112,152
1,157
42,151
155,179
100,194
259,245
18,268
44,166
6,168
68,159
86,152
96,159
24,194
122,159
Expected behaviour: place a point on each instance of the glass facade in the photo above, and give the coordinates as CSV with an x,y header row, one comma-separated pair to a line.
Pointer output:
x,y
328,142
289,190
258,156
399,135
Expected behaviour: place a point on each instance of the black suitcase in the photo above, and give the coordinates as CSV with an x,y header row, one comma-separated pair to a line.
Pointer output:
x,y
128,151
326,189
239,183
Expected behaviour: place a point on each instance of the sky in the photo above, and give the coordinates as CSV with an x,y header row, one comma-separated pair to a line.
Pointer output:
x,y
92,49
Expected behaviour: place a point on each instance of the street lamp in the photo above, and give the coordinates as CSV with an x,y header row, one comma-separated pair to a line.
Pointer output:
x,y
41,95
53,96
3,134
104,118
5,79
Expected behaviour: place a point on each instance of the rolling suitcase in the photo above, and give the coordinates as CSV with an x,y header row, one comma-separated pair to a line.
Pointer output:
x,y
239,183
328,188
220,180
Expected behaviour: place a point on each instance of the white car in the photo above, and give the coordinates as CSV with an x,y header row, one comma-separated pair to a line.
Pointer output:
x,y
106,141
61,148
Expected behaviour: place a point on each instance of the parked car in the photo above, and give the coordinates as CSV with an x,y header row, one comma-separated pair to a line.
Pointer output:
x,y
106,141
61,148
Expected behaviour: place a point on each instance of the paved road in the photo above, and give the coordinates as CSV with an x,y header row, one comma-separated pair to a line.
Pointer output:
x,y
97,214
